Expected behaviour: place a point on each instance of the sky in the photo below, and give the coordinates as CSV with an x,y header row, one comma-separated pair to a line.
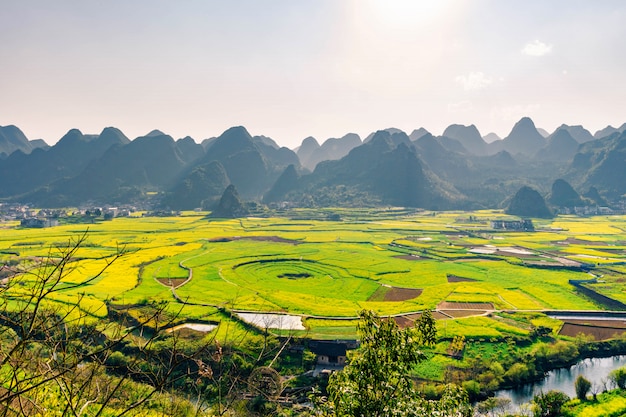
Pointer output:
x,y
289,69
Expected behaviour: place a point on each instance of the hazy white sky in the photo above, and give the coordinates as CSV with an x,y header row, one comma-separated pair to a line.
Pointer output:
x,y
289,69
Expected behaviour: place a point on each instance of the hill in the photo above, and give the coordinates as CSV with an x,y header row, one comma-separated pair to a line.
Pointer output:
x,y
527,202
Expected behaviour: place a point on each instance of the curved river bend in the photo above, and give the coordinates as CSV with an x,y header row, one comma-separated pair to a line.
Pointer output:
x,y
595,370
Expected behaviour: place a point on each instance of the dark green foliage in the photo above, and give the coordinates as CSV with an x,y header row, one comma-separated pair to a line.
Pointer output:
x,y
563,195
527,202
550,404
230,205
618,377
582,387
376,381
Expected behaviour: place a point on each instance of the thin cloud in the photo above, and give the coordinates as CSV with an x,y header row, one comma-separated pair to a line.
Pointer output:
x,y
460,107
537,48
474,81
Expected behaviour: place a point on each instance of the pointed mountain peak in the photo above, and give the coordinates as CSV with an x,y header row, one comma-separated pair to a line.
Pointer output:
x,y
232,140
579,133
230,205
491,137
524,124
418,133
310,141
390,130
186,139
524,138
155,132
113,135
73,135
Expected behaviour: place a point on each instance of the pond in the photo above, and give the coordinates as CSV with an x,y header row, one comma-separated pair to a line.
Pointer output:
x,y
596,370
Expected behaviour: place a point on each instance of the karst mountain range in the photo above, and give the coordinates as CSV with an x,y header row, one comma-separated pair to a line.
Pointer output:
x,y
461,169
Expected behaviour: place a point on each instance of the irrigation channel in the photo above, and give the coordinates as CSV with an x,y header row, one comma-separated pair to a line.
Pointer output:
x,y
596,370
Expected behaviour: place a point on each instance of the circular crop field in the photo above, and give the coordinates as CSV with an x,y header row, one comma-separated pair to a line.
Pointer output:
x,y
285,268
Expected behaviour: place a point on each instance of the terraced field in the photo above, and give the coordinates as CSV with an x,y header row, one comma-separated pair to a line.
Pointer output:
x,y
393,262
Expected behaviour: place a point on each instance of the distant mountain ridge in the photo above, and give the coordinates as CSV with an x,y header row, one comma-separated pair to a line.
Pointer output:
x,y
458,169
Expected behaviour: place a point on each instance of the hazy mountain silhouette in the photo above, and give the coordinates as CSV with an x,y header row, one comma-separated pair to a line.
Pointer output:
x,y
524,138
123,173
418,133
22,173
491,137
543,132
244,163
385,170
579,133
527,202
13,139
202,187
609,130
332,149
564,195
390,130
561,146
288,181
469,136
189,149
602,164
390,168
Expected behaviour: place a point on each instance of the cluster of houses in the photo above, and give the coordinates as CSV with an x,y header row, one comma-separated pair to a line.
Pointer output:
x,y
591,210
33,218
525,225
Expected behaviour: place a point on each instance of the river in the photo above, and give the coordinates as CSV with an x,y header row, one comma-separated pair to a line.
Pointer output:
x,y
596,370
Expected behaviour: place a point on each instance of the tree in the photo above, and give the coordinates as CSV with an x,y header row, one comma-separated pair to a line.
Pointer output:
x,y
618,377
56,360
582,387
376,382
549,404
493,406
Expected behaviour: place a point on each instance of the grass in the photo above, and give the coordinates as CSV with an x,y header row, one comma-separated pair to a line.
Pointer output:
x,y
328,268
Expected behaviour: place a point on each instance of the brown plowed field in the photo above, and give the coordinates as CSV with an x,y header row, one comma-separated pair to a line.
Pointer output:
x,y
402,294
463,313
447,305
172,282
456,278
598,332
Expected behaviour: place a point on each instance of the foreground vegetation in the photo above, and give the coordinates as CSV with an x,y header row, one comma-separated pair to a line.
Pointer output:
x,y
99,311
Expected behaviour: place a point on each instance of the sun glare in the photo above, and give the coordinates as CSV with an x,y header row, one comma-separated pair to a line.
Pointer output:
x,y
407,12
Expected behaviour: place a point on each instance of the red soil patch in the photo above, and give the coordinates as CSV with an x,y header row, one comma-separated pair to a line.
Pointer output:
x,y
410,319
409,257
456,278
172,282
598,332
402,294
447,305
574,241
275,239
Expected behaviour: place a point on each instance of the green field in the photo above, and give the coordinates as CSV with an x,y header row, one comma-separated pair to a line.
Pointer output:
x,y
332,269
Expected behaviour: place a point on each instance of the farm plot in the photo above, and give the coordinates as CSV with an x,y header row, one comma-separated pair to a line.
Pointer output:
x,y
389,264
